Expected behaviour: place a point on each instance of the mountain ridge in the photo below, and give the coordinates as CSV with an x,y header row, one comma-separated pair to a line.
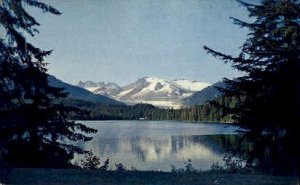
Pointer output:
x,y
79,93
152,90
207,94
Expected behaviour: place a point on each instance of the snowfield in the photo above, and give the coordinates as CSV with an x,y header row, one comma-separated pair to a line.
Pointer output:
x,y
191,85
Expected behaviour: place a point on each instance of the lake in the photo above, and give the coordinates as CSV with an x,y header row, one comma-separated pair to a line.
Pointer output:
x,y
156,145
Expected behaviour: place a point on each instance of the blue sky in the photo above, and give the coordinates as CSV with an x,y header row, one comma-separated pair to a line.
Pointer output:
x,y
123,40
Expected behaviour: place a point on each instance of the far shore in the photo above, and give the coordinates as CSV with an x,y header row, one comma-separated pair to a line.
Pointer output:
x,y
79,176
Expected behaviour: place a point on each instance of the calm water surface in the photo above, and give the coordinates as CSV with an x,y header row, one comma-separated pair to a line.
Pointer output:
x,y
156,145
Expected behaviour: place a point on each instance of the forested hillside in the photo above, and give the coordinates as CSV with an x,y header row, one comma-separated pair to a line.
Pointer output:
x,y
206,113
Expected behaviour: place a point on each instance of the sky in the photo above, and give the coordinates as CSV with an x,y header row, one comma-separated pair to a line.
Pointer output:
x,y
123,40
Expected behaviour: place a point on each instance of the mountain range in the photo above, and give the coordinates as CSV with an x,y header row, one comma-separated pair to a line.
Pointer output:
x,y
79,93
152,90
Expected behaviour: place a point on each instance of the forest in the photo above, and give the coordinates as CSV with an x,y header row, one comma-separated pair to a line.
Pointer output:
x,y
208,112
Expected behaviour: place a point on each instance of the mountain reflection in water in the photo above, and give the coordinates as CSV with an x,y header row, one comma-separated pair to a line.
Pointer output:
x,y
158,145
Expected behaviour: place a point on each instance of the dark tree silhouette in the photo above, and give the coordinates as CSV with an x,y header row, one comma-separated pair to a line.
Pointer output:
x,y
270,89
34,129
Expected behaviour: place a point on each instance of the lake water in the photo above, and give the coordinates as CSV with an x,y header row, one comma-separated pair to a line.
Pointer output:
x,y
156,145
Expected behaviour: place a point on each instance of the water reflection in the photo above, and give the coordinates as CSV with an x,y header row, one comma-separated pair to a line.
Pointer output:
x,y
145,149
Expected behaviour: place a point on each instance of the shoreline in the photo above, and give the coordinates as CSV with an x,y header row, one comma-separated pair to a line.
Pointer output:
x,y
80,176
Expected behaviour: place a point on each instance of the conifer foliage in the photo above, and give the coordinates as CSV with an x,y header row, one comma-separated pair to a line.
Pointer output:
x,y
34,131
270,89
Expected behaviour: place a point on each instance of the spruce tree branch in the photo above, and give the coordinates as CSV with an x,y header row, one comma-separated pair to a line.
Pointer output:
x,y
243,23
246,4
220,55
44,7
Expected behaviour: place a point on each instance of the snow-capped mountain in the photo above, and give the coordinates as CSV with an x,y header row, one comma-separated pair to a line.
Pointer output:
x,y
190,85
107,89
89,85
152,90
78,93
207,94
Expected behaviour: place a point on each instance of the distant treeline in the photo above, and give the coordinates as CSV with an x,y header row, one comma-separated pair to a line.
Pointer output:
x,y
205,113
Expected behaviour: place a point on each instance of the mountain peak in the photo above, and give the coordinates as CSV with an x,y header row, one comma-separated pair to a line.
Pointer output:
x,y
152,90
154,79
102,88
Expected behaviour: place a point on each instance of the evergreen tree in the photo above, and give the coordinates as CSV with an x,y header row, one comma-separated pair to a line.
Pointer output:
x,y
34,131
269,92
